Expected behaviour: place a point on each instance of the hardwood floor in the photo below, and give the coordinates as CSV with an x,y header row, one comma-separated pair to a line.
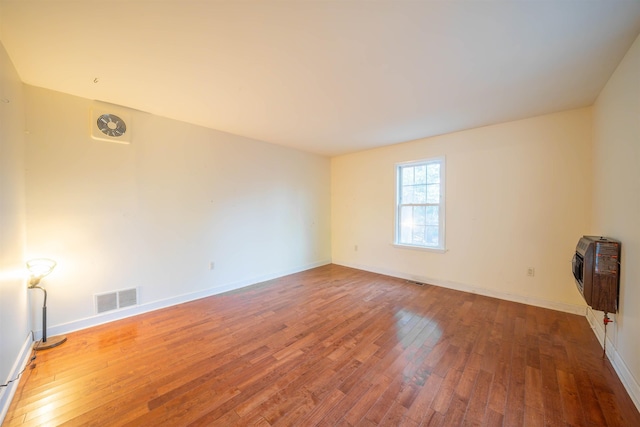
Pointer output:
x,y
331,346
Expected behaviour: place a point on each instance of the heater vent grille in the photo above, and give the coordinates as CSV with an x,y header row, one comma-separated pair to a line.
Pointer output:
x,y
114,300
106,302
127,298
413,282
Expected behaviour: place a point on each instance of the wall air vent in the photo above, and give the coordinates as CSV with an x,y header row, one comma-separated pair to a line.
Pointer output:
x,y
115,300
110,123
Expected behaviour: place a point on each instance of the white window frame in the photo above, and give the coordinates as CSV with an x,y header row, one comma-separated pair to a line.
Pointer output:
x,y
441,248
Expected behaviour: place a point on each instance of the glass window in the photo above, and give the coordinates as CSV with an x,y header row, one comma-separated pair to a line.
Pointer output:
x,y
420,204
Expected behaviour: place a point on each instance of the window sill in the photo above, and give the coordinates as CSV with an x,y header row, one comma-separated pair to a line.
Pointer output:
x,y
420,248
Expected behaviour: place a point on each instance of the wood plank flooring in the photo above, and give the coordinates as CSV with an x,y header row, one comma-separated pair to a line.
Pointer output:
x,y
331,346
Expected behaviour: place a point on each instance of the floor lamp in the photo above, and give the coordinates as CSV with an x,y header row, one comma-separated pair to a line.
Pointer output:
x,y
39,268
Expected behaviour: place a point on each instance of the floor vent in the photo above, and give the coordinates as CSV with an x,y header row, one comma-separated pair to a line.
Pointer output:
x,y
114,300
413,282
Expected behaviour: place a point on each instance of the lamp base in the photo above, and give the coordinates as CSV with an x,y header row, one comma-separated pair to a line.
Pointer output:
x,y
51,342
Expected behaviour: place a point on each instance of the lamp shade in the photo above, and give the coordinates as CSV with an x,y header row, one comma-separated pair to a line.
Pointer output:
x,y
39,268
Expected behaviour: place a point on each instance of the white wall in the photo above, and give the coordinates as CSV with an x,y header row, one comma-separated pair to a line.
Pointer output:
x,y
153,214
616,204
14,327
516,198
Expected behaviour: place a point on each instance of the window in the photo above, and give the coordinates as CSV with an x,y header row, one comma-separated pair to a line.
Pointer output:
x,y
420,204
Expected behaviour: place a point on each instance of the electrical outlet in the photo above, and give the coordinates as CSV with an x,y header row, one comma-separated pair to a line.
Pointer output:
x,y
212,265
355,248
531,271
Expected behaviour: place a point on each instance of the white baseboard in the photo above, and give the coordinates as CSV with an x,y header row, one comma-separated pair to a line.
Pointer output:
x,y
6,394
538,302
625,375
100,319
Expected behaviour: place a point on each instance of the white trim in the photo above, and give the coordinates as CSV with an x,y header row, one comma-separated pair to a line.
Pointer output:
x,y
530,300
6,394
420,248
626,377
442,215
179,299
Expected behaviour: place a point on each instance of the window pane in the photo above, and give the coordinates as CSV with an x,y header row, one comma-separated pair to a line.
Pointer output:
x,y
432,215
407,176
433,173
407,194
419,215
418,235
432,236
419,194
433,193
406,224
420,174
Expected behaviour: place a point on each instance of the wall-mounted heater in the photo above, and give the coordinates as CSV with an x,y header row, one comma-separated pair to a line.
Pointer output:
x,y
596,268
